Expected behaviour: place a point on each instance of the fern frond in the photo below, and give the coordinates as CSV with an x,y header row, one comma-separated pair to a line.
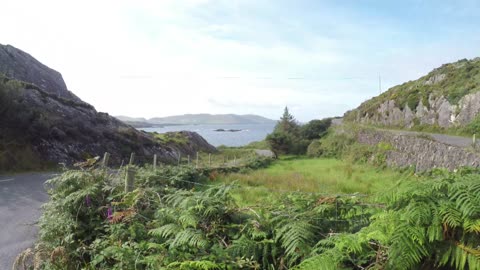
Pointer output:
x,y
295,237
190,237
194,265
166,231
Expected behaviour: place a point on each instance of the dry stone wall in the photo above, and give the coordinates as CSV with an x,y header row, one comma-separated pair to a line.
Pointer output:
x,y
423,153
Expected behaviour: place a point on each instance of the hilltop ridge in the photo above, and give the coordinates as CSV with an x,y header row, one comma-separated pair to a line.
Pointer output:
x,y
447,97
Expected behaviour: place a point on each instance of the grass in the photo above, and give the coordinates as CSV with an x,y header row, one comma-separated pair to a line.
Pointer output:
x,y
330,176
171,137
225,157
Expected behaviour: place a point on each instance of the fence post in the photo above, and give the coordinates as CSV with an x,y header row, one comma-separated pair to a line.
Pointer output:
x,y
155,162
130,179
234,160
179,158
209,160
196,165
106,157
474,140
132,158
188,160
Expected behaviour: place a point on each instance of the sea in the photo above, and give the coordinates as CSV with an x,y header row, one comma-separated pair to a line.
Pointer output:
x,y
248,132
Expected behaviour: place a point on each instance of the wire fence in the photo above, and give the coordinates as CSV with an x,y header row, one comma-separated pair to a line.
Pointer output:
x,y
355,204
197,160
226,163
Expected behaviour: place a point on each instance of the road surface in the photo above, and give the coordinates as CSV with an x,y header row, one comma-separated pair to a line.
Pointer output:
x,y
442,138
21,197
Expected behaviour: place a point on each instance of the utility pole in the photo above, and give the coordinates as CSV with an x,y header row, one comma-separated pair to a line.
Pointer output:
x,y
380,84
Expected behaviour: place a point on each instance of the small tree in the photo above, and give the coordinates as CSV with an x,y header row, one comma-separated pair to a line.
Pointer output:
x,y
287,123
279,142
286,138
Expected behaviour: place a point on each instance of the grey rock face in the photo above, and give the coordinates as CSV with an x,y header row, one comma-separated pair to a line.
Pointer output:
x,y
435,79
469,108
19,65
438,112
424,154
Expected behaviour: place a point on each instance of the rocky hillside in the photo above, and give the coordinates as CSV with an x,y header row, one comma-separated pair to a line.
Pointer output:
x,y
447,97
42,123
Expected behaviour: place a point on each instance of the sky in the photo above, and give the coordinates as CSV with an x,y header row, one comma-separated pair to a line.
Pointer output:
x,y
320,58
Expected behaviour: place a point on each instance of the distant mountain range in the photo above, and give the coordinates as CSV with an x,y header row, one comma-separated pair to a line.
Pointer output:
x,y
197,119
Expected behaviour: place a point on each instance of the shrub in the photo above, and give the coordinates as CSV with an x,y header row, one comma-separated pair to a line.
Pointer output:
x,y
314,149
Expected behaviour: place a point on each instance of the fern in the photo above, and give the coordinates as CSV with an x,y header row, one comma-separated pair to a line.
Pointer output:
x,y
194,265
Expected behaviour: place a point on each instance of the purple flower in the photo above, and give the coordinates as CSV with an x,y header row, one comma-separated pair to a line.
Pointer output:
x,y
88,201
109,213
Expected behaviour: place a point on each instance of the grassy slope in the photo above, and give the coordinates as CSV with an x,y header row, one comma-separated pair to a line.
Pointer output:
x,y
330,176
461,78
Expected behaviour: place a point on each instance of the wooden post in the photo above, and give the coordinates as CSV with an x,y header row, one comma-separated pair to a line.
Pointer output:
x,y
130,179
209,160
132,158
106,157
474,140
188,160
196,165
155,162
234,160
179,158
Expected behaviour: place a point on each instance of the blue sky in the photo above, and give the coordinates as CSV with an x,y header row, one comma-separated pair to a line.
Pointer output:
x,y
321,58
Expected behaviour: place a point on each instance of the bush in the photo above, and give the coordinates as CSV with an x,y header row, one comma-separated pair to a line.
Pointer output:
x,y
314,149
315,129
334,145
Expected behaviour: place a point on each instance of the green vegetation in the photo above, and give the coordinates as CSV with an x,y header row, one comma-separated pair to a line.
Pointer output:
x,y
324,175
19,126
289,137
431,224
171,137
178,218
257,145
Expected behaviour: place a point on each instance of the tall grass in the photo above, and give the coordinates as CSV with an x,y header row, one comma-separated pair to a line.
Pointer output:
x,y
322,175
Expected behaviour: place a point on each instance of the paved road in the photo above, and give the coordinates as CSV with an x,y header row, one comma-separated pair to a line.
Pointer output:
x,y
442,138
446,139
21,197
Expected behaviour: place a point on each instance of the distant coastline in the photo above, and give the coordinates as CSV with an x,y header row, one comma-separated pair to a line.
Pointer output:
x,y
196,119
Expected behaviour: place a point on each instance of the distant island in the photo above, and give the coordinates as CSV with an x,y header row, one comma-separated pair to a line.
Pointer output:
x,y
197,119
227,130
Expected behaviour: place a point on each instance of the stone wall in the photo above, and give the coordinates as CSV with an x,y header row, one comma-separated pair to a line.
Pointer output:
x,y
423,153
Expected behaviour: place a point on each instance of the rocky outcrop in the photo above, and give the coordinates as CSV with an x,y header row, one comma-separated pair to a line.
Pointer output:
x,y
423,153
447,97
193,143
439,111
38,111
19,65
